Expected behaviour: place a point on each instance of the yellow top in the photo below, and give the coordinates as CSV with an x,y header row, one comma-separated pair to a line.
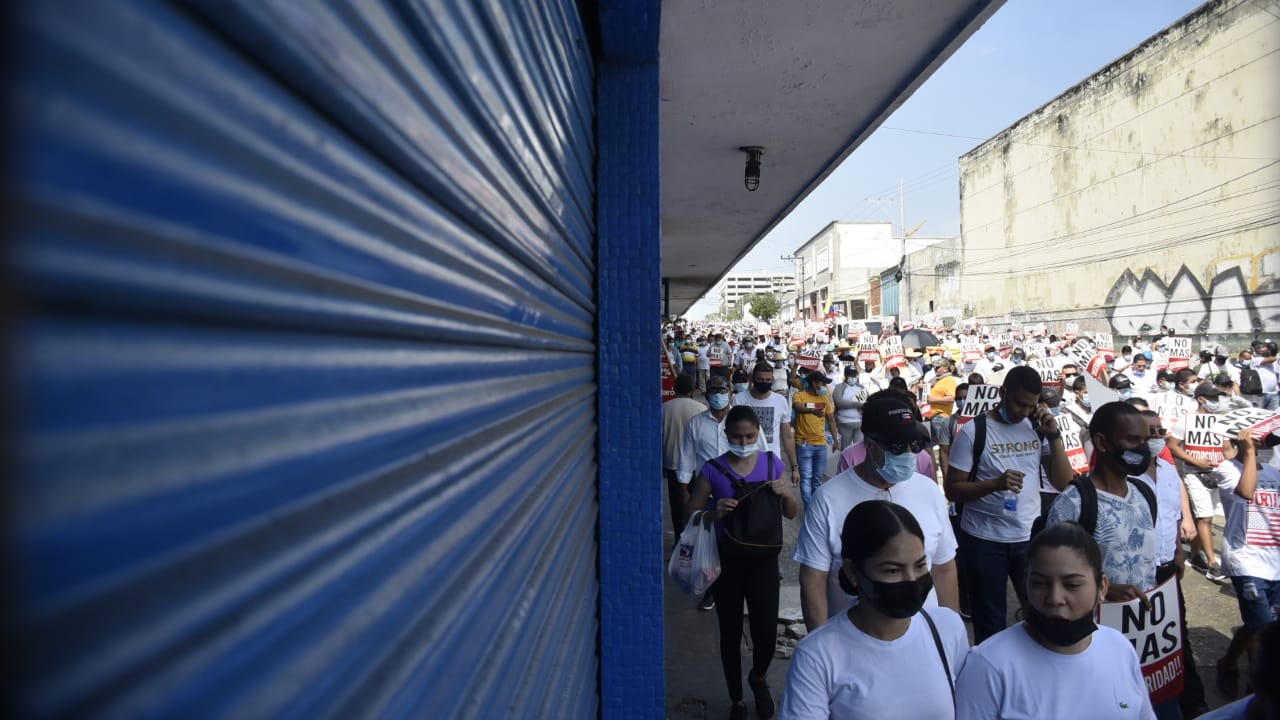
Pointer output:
x,y
941,388
810,429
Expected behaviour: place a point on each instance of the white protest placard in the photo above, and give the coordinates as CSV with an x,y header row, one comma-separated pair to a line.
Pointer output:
x,y
1016,333
809,359
891,349
1072,332
1103,343
1156,635
981,398
1099,394
1201,440
970,349
717,356
1172,407
1263,422
1179,349
1070,428
1049,372
1004,344
1093,362
867,351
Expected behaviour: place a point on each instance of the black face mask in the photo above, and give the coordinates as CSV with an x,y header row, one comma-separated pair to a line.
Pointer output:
x,y
1135,460
762,386
900,599
1059,632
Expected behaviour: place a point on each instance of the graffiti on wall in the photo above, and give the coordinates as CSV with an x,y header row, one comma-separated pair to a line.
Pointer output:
x,y
1139,305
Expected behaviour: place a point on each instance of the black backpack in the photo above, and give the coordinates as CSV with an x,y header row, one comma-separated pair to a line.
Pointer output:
x,y
1089,504
1250,382
755,525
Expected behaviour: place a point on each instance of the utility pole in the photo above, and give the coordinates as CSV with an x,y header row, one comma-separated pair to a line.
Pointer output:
x,y
904,297
799,282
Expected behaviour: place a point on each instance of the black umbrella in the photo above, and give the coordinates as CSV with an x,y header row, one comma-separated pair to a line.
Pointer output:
x,y
916,338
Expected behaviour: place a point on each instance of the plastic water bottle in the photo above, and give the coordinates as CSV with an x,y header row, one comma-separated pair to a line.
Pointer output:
x,y
1011,503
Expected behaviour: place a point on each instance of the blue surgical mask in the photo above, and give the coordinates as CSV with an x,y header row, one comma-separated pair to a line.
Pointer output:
x,y
742,450
1125,394
1156,445
897,468
740,387
1214,406
718,400
1004,415
1138,372
1055,411
1084,400
991,356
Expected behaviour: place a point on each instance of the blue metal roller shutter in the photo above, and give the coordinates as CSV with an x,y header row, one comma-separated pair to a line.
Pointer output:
x,y
305,377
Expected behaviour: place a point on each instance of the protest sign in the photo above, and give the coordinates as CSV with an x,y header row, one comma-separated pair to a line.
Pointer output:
x,y
970,349
1004,343
1070,428
1171,407
1093,362
867,351
891,350
1048,369
1016,333
1263,422
1201,439
668,379
809,359
1179,349
1156,634
981,398
1102,342
1072,332
1099,394
717,356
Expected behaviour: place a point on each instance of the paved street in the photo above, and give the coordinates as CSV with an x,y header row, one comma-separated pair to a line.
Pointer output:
x,y
695,684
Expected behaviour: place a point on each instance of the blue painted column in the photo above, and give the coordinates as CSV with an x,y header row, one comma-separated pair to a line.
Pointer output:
x,y
629,223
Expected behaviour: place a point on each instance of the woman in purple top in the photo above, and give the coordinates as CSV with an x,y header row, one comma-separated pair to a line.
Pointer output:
x,y
748,570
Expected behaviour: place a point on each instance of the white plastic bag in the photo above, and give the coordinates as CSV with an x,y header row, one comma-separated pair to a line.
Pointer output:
x,y
695,563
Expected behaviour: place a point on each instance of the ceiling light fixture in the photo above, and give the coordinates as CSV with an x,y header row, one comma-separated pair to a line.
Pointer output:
x,y
752,177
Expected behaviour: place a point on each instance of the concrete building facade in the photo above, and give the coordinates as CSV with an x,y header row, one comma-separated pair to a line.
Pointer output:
x,y
835,267
737,286
1146,195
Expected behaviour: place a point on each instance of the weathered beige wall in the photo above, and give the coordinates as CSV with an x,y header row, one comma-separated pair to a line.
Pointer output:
x,y
1089,208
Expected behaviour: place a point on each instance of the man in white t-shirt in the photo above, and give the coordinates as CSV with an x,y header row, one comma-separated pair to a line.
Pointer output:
x,y
1221,363
1250,496
774,412
1141,377
1001,495
890,432
848,397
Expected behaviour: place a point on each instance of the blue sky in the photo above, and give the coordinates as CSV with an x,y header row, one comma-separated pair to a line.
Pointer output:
x,y
1027,54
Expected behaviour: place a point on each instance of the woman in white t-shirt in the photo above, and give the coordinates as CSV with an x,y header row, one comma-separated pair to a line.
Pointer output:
x,y
885,657
1057,663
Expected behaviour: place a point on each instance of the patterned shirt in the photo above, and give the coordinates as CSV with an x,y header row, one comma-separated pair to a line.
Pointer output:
x,y
1125,532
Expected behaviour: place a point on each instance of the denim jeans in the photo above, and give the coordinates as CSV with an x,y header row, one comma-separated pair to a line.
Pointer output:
x,y
990,566
813,466
1270,401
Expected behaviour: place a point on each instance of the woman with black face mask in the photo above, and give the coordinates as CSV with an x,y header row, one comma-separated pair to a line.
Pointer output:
x,y
885,657
1057,663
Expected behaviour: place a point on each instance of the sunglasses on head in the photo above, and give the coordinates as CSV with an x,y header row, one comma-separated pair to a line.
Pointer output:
x,y
898,448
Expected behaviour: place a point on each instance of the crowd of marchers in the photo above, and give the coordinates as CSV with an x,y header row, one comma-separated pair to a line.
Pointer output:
x,y
1086,477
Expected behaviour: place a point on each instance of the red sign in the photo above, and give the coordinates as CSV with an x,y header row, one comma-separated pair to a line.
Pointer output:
x,y
668,379
891,350
809,361
1179,349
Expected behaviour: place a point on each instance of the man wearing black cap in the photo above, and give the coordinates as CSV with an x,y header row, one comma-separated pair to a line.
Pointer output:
x,y
1221,363
814,420
1199,452
892,436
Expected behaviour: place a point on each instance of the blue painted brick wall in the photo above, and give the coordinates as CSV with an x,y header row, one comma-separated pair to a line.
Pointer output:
x,y
629,226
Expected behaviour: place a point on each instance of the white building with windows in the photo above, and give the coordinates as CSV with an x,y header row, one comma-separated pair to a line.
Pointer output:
x,y
737,286
836,265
